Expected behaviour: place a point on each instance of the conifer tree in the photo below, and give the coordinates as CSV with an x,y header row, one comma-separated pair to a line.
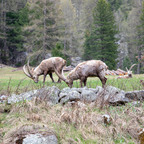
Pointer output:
x,y
41,33
100,42
140,38
15,34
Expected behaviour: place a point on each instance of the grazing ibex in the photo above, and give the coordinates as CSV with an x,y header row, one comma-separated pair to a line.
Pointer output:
x,y
44,68
91,68
129,73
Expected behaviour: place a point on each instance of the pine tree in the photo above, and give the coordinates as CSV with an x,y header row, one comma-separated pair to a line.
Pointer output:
x,y
100,42
12,21
40,34
115,4
140,38
15,34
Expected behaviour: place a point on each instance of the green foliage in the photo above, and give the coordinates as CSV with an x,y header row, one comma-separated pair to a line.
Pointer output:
x,y
17,19
41,34
140,38
115,4
58,51
126,63
100,42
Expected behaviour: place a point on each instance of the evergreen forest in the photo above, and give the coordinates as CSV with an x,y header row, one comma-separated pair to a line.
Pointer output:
x,y
109,30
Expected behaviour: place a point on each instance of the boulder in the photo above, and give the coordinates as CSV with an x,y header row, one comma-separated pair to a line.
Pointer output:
x,y
114,95
24,96
30,134
88,95
68,94
49,94
53,95
40,139
135,95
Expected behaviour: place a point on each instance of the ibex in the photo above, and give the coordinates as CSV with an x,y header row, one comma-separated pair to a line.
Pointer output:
x,y
129,73
91,68
44,68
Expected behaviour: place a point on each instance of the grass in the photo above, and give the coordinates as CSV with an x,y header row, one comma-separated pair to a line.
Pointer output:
x,y
75,124
15,81
71,124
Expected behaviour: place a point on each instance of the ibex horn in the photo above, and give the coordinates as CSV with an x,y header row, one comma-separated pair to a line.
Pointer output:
x,y
132,67
58,74
28,68
25,71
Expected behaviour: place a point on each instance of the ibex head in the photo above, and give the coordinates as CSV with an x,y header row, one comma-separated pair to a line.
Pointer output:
x,y
129,71
30,72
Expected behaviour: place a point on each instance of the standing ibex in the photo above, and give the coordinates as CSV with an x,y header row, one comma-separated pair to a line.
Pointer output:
x,y
129,73
44,68
91,68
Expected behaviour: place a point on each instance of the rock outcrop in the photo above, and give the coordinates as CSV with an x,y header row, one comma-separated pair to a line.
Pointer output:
x,y
53,95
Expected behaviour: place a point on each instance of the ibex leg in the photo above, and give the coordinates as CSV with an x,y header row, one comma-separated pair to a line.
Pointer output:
x,y
50,74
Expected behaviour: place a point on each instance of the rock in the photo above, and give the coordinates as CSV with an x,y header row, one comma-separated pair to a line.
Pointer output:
x,y
24,96
97,89
74,96
49,94
111,94
67,89
30,134
53,95
88,95
40,139
69,95
135,95
114,95
63,97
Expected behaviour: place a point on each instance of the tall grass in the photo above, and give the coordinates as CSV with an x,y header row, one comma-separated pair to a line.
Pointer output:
x,y
78,124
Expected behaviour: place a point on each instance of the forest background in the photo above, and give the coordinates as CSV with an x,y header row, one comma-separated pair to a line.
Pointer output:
x,y
38,29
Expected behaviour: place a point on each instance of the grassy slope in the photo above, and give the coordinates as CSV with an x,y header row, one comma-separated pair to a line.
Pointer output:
x,y
76,125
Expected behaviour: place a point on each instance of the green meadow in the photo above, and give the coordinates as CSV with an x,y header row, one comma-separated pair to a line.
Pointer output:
x,y
14,80
71,124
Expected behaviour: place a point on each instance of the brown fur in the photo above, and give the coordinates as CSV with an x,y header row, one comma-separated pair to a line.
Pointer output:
x,y
46,67
91,68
